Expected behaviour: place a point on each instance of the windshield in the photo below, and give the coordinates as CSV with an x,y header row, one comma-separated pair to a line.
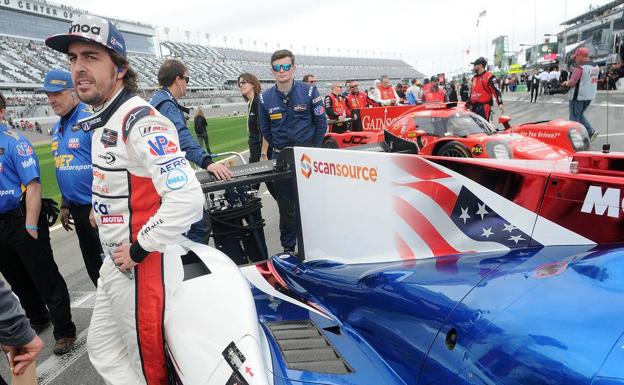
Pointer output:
x,y
460,124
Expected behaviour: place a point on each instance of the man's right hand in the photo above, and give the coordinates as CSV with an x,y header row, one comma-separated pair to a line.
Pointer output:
x,y
66,219
219,171
92,219
24,355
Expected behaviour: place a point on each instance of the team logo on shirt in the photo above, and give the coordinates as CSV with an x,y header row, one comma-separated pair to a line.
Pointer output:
x,y
300,107
109,138
24,149
74,143
319,110
28,163
160,146
275,116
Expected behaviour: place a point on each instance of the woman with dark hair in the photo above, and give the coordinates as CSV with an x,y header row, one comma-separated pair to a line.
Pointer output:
x,y
250,90
201,129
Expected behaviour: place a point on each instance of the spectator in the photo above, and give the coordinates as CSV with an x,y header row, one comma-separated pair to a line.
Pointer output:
x,y
534,84
387,95
16,335
544,77
282,128
201,129
72,154
464,91
413,93
347,87
583,86
250,89
452,94
309,79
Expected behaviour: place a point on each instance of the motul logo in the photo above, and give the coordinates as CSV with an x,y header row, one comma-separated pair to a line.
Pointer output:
x,y
78,28
598,203
112,219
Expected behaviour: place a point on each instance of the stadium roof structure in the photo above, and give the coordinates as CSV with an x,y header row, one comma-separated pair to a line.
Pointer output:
x,y
594,13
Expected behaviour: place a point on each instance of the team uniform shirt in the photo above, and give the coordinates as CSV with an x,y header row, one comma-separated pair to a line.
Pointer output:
x,y
19,166
484,88
335,106
294,119
71,148
386,94
166,104
585,80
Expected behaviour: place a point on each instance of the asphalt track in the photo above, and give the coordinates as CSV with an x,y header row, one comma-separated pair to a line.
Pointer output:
x,y
75,368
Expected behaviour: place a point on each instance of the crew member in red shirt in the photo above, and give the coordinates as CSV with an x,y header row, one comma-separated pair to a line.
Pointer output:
x,y
336,108
357,99
484,89
386,93
435,93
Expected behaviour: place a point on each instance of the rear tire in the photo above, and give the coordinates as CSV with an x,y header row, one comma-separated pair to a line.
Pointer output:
x,y
329,143
454,150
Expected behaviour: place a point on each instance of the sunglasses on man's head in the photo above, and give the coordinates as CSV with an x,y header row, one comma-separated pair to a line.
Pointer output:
x,y
279,67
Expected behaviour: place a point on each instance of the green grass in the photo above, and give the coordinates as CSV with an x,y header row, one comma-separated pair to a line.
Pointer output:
x,y
225,134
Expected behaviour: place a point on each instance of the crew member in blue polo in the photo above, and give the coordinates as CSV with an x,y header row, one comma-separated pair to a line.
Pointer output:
x,y
71,147
291,114
173,77
26,260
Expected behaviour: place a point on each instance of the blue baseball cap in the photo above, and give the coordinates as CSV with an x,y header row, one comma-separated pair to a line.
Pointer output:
x,y
57,80
89,29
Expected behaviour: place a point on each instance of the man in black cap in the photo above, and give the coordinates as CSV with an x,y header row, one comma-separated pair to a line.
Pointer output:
x,y
484,89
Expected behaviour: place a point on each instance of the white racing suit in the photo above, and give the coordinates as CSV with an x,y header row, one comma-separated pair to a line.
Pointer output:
x,y
146,194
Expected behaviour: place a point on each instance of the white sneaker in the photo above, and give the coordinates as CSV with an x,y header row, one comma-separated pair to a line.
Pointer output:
x,y
593,136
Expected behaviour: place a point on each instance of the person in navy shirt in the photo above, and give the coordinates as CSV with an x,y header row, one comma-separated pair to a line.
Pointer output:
x,y
291,113
173,77
27,261
71,147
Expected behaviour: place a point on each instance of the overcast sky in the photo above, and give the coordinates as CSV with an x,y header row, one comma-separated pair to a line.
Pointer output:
x,y
433,36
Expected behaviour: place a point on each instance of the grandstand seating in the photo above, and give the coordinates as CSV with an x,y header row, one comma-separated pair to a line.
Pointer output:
x,y
26,62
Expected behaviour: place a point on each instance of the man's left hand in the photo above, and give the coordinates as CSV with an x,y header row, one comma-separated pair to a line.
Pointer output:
x,y
121,258
219,171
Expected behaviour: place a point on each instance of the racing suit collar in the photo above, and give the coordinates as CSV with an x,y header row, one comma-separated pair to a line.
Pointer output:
x,y
173,99
100,118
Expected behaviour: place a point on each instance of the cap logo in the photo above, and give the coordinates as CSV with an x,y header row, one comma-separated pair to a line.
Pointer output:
x,y
60,82
77,28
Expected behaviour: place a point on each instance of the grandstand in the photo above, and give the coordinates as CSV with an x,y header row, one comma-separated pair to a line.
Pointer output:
x,y
24,59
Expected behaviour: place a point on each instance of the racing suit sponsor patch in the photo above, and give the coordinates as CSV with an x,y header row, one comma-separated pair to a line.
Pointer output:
x,y
74,143
319,110
109,157
112,219
161,145
109,138
151,226
176,179
28,163
172,164
153,130
300,107
75,128
318,99
275,116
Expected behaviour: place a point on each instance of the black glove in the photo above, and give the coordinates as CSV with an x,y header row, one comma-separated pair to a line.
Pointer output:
x,y
50,209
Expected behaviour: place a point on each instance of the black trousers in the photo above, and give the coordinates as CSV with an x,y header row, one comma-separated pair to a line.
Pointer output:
x,y
204,138
534,91
29,267
88,239
255,151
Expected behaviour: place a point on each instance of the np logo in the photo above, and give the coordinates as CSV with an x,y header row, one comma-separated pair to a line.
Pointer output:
x,y
306,166
598,203
160,146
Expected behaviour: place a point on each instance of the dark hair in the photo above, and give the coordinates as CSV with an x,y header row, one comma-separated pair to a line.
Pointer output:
x,y
131,78
2,101
253,80
169,71
282,53
347,82
307,78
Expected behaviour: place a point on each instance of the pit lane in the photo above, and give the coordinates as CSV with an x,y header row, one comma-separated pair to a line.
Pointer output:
x,y
75,367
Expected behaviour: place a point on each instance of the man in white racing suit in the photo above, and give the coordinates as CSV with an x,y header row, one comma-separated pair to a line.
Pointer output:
x,y
145,195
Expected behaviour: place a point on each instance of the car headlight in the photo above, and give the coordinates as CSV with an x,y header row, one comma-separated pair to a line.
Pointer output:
x,y
579,138
499,150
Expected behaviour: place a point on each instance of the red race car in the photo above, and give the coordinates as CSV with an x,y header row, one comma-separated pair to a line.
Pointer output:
x,y
449,129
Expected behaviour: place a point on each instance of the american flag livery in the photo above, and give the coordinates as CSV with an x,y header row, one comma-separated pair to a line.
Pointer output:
x,y
438,215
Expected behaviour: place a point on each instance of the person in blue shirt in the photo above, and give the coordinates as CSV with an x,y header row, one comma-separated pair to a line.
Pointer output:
x,y
291,114
71,147
173,77
27,261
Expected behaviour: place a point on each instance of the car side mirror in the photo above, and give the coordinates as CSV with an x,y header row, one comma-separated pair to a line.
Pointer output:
x,y
504,120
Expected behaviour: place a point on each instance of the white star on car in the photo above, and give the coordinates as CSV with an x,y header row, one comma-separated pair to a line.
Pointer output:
x,y
509,227
487,232
464,215
516,238
482,210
